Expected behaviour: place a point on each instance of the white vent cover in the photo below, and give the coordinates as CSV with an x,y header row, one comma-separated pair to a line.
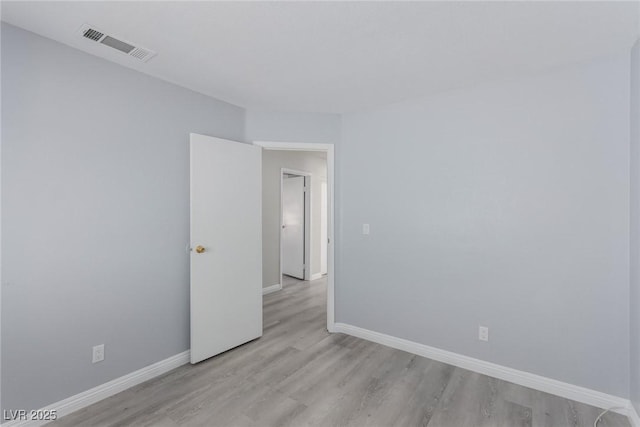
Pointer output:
x,y
89,32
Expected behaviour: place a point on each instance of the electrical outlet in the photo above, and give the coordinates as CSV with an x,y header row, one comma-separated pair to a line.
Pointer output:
x,y
98,353
483,333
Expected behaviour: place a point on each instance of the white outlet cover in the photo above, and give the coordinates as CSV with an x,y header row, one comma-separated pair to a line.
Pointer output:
x,y
483,333
365,229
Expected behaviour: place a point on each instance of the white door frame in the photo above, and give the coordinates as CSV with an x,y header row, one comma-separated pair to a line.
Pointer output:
x,y
329,149
307,219
324,237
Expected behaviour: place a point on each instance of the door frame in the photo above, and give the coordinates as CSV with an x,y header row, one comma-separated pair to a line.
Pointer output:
x,y
329,149
324,227
308,217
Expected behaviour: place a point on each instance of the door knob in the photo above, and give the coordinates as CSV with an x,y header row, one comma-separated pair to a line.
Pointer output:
x,y
200,249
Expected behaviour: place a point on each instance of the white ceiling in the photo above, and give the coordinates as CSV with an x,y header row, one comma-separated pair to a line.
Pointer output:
x,y
338,56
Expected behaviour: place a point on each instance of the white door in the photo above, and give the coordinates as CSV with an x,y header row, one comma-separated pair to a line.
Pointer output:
x,y
226,245
293,226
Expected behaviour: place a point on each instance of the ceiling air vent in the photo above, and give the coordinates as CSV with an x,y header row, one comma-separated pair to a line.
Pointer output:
x,y
138,52
93,34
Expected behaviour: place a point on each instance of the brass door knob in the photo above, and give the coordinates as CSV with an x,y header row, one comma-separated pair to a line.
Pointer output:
x,y
200,249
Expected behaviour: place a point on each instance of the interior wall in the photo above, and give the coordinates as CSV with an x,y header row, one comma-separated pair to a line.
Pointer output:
x,y
95,216
272,163
292,127
505,205
634,298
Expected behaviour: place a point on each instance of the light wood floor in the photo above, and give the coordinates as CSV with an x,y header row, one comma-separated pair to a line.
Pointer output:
x,y
299,375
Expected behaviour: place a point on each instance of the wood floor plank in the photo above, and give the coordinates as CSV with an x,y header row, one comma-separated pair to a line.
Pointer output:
x,y
299,375
421,404
275,409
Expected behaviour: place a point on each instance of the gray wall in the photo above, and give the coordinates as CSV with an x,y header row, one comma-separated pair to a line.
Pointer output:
x,y
505,205
272,162
95,219
634,298
292,127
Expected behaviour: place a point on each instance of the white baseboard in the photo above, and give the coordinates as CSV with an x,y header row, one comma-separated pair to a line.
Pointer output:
x,y
537,382
86,398
316,276
634,418
271,289
526,379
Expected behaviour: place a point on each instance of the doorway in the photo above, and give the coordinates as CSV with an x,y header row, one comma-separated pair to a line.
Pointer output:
x,y
327,152
295,224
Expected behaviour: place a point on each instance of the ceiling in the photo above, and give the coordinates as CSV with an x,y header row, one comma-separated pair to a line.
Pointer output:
x,y
338,56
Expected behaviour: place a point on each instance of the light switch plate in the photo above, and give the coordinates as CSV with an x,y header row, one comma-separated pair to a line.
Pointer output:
x,y
365,229
98,353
